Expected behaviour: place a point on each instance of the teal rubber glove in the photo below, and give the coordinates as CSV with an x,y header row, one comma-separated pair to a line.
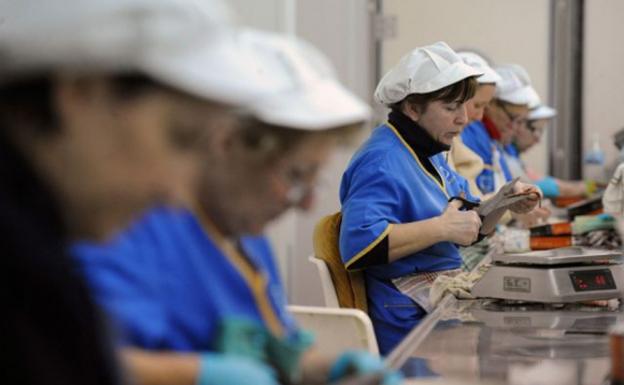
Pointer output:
x,y
243,338
354,363
549,187
249,339
218,369
285,354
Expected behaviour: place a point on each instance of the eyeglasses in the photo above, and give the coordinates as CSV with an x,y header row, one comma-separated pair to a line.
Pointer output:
x,y
301,184
536,131
515,119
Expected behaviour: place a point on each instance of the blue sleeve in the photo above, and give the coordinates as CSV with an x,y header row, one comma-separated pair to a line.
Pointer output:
x,y
370,205
125,282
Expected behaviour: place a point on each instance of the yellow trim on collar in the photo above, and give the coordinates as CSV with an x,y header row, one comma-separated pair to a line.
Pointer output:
x,y
368,248
494,168
256,281
441,185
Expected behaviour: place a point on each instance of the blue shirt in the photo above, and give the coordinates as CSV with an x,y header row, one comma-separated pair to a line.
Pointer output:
x,y
167,285
512,150
476,137
386,184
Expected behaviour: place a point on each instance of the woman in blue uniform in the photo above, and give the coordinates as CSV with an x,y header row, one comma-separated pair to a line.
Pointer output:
x,y
461,158
502,117
528,135
397,221
195,292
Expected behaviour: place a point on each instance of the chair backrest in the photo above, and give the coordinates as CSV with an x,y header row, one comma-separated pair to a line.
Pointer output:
x,y
349,286
337,329
329,291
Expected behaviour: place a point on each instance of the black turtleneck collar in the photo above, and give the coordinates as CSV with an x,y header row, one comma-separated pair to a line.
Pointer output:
x,y
416,136
419,140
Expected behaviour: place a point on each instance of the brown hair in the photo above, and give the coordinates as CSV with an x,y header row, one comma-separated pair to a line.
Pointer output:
x,y
460,92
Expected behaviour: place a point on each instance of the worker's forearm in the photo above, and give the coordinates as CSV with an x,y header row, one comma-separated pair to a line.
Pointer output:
x,y
571,188
407,238
161,368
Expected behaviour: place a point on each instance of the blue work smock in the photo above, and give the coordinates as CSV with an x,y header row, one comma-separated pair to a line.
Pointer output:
x,y
167,285
515,163
476,137
512,150
386,184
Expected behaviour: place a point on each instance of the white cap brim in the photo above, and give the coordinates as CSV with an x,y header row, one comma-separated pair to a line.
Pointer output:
x,y
520,96
489,76
542,112
324,105
477,62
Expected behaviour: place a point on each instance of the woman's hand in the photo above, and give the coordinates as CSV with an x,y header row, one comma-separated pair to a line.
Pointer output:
x,y
363,364
534,195
534,217
460,227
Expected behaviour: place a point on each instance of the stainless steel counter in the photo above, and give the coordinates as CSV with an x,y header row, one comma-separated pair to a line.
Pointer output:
x,y
486,342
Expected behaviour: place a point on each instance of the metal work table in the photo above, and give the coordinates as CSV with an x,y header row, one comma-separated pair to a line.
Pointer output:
x,y
492,342
483,342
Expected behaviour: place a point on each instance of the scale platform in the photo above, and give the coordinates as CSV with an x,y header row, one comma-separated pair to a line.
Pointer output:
x,y
571,318
570,274
562,256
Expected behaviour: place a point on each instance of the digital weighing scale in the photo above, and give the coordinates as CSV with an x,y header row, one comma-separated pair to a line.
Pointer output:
x,y
569,274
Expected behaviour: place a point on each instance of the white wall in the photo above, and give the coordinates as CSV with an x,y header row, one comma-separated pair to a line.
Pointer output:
x,y
603,75
341,30
272,15
508,31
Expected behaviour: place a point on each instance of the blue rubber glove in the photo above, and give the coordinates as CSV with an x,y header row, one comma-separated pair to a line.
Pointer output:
x,y
359,362
549,187
218,369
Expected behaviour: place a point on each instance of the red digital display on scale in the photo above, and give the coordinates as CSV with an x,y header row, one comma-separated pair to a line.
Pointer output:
x,y
587,280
